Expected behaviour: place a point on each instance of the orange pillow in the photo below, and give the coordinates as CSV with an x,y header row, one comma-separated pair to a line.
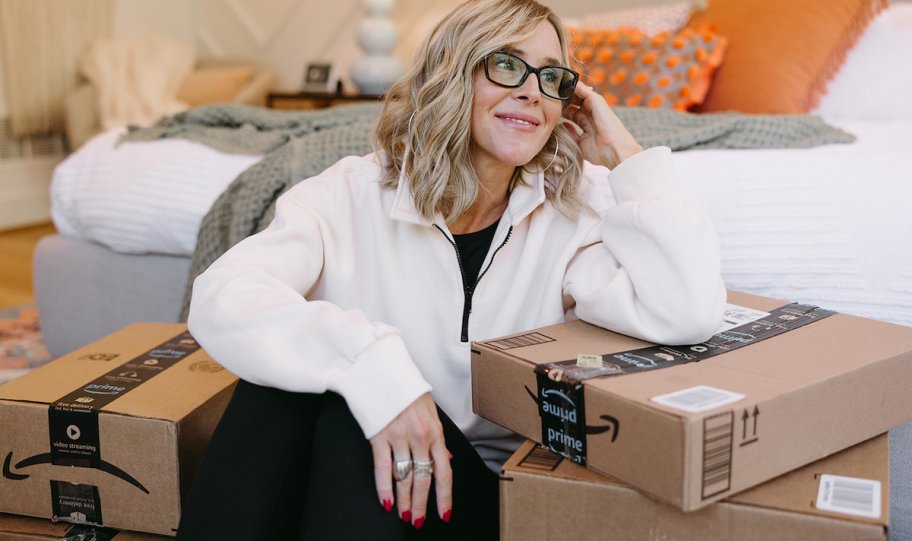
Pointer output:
x,y
781,53
214,85
628,67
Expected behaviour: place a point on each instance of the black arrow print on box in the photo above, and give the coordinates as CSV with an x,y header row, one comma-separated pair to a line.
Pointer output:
x,y
744,418
613,424
45,458
755,415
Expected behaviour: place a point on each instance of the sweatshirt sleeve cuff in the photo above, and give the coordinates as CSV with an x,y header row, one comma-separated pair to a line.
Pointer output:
x,y
645,175
381,382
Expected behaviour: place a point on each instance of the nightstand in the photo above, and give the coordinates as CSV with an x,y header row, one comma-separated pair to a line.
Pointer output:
x,y
315,100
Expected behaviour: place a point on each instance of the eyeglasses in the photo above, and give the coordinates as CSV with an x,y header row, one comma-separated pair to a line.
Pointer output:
x,y
510,71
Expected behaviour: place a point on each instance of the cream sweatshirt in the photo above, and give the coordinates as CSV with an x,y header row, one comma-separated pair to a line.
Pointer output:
x,y
350,290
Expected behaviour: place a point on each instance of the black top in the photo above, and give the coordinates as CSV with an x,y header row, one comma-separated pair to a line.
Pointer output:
x,y
473,247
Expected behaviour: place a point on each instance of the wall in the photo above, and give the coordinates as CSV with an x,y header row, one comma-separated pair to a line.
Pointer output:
x,y
287,34
172,17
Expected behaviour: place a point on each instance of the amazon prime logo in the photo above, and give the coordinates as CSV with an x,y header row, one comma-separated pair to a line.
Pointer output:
x,y
564,409
735,336
100,388
167,353
638,361
562,417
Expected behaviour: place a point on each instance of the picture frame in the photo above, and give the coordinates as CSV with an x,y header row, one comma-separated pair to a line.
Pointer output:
x,y
319,77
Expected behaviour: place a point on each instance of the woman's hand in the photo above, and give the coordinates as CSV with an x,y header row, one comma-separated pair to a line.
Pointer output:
x,y
417,435
604,139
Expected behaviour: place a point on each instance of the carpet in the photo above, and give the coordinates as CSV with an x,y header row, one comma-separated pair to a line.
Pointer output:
x,y
21,347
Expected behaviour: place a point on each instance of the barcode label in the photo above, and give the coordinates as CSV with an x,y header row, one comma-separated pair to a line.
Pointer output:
x,y
849,495
696,399
735,316
718,439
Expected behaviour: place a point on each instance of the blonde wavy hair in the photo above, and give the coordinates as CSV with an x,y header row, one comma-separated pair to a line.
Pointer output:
x,y
427,113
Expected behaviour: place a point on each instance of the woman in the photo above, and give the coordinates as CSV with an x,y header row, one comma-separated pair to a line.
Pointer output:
x,y
349,318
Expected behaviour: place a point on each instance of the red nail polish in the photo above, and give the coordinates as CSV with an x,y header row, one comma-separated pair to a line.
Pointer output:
x,y
419,522
447,515
407,516
388,505
451,455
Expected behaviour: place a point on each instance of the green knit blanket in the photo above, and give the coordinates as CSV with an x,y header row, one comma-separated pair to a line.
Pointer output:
x,y
298,145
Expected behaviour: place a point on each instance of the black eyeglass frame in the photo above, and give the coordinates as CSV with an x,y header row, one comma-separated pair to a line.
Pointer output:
x,y
530,69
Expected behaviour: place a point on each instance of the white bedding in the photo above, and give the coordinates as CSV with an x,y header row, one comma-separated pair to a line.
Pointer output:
x,y
829,225
138,198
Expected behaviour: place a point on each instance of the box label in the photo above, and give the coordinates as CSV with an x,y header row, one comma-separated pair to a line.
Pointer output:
x,y
75,503
697,399
73,420
849,495
560,384
735,316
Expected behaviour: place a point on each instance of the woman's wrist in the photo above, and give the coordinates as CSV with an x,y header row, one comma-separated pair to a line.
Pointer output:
x,y
625,151
615,154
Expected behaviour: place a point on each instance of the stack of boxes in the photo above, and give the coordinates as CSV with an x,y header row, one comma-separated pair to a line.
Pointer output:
x,y
780,387
109,435
774,428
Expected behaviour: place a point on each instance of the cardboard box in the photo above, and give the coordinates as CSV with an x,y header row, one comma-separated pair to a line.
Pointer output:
x,y
17,528
112,433
546,497
759,409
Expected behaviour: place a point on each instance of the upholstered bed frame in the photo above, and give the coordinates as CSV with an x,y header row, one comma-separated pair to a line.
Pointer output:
x,y
86,291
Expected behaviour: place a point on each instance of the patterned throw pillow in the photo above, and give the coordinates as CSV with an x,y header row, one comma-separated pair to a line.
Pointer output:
x,y
632,68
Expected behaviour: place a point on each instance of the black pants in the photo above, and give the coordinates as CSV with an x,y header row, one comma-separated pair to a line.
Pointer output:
x,y
287,466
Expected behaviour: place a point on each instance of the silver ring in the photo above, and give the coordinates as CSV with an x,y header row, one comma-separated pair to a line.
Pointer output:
x,y
403,469
423,468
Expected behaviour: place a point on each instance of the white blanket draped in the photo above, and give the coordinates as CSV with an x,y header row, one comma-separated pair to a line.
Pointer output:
x,y
137,77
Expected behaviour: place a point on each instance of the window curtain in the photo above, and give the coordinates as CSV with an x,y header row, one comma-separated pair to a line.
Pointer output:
x,y
42,42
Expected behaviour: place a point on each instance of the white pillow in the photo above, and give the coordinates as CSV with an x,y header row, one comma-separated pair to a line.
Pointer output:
x,y
875,81
140,197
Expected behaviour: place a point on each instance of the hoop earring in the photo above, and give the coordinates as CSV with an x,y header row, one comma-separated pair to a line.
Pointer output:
x,y
408,139
556,147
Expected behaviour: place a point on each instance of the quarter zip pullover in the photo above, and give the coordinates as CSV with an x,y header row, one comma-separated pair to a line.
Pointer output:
x,y
470,255
350,290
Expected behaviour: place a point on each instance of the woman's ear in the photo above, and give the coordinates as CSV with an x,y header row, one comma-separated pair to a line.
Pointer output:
x,y
572,128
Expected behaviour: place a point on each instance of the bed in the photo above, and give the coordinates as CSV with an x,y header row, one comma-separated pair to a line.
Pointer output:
x,y
828,225
824,225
